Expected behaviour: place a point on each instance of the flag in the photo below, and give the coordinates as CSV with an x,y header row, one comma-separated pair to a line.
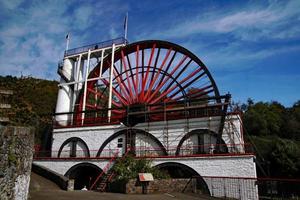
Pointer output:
x,y
67,36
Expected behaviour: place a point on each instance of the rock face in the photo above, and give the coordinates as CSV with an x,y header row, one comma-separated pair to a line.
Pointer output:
x,y
16,152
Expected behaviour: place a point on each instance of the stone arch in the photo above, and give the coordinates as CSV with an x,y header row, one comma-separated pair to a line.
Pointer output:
x,y
184,171
83,174
199,132
137,131
74,140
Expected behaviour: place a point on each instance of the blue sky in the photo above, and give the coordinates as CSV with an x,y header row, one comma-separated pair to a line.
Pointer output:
x,y
252,48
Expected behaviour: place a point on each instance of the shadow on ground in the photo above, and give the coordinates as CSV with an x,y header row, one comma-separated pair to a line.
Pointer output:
x,y
43,189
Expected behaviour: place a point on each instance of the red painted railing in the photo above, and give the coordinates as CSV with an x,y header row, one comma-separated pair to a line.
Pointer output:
x,y
152,152
151,113
105,169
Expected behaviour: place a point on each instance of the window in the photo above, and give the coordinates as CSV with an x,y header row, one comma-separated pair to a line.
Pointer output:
x,y
120,142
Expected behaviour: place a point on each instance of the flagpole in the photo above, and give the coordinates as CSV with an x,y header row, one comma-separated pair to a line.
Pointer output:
x,y
68,41
125,26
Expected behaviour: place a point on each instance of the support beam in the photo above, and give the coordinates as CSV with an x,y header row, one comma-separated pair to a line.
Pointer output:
x,y
110,82
101,64
85,85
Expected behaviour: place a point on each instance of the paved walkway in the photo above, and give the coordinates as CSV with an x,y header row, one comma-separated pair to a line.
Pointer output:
x,y
43,189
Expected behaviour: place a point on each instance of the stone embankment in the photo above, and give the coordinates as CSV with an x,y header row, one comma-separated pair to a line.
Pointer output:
x,y
16,152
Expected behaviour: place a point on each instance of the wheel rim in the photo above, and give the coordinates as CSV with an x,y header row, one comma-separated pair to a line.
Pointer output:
x,y
150,72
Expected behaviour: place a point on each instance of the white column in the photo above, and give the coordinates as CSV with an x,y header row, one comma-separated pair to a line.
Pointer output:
x,y
101,64
110,82
76,79
85,85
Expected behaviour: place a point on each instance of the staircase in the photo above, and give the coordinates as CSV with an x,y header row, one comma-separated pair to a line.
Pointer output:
x,y
105,180
106,175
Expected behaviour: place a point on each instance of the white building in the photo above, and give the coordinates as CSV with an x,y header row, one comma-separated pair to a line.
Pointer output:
x,y
155,99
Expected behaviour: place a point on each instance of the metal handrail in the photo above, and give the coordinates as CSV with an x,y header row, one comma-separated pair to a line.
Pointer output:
x,y
120,40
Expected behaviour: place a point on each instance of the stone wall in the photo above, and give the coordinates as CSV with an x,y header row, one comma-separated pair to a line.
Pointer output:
x,y
157,186
16,151
60,180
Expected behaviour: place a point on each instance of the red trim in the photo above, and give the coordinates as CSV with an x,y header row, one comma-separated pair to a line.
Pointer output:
x,y
168,156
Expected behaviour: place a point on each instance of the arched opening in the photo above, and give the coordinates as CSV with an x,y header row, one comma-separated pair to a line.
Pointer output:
x,y
201,141
178,170
74,147
139,142
84,174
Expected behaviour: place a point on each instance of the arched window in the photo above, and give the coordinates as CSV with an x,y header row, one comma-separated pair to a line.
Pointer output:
x,y
74,147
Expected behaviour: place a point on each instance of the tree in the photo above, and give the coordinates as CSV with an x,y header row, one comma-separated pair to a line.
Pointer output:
x,y
285,158
264,118
128,168
291,127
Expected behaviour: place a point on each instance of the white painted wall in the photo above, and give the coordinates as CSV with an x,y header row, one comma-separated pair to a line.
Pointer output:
x,y
169,134
229,166
62,166
92,136
213,166
173,131
233,133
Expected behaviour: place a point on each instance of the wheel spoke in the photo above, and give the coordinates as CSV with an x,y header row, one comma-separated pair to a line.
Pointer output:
x,y
137,71
141,94
125,68
124,101
165,81
189,83
199,93
103,96
154,69
123,87
157,74
144,82
167,69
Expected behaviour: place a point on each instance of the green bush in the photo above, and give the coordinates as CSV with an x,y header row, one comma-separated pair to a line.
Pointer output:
x,y
128,168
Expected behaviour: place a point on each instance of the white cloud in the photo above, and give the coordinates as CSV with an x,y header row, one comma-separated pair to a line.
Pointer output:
x,y
11,4
249,23
113,33
32,39
83,17
238,36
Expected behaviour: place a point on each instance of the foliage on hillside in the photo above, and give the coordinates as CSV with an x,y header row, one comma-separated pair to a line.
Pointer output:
x,y
275,132
33,102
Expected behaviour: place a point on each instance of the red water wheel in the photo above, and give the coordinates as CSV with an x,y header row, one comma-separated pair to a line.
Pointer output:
x,y
149,73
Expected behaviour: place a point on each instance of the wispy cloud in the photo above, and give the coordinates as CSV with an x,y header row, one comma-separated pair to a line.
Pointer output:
x,y
32,33
248,22
236,36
